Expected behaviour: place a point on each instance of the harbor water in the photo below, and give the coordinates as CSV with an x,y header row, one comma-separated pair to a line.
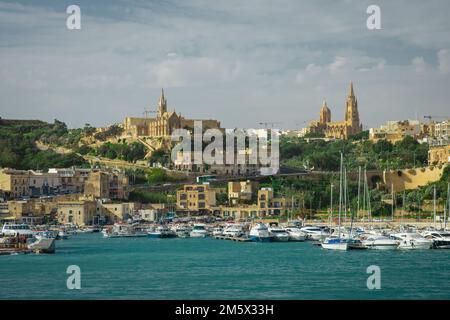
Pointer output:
x,y
195,268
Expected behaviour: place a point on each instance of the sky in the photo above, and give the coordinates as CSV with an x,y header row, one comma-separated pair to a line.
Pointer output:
x,y
241,62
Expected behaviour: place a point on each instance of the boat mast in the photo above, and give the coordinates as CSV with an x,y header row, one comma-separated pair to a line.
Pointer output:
x,y
403,207
434,206
331,205
359,188
340,196
447,205
392,206
345,194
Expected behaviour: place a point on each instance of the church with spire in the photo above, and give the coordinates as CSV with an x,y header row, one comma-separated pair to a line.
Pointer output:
x,y
338,129
163,124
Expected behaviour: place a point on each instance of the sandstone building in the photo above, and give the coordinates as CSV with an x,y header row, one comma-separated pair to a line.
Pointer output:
x,y
163,124
340,129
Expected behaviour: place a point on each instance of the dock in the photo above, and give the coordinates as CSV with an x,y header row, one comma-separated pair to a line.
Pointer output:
x,y
9,251
238,239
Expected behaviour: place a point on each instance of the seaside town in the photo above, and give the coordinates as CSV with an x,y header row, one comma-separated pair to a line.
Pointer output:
x,y
340,185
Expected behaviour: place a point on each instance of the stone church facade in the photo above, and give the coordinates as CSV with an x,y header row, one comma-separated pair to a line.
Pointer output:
x,y
163,124
338,129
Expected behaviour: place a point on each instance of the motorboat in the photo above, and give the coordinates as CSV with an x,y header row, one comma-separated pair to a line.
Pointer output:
x,y
62,235
15,229
42,243
295,234
380,242
314,233
412,240
233,230
161,232
260,232
441,239
123,230
182,231
217,231
335,243
198,231
278,234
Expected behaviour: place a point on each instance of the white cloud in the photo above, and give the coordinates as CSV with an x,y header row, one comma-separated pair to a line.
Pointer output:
x,y
444,61
337,64
419,64
188,71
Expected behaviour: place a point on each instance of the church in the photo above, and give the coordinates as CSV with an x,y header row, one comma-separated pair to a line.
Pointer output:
x,y
338,129
163,124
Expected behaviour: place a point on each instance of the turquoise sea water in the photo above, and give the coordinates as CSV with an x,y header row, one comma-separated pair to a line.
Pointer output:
x,y
143,268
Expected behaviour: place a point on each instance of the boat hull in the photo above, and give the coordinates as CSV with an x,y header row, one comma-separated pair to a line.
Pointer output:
x,y
43,245
260,239
342,246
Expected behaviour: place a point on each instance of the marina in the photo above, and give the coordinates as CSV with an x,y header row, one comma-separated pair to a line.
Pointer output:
x,y
206,268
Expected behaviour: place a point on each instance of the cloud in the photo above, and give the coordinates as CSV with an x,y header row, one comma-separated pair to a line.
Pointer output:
x,y
337,64
419,64
444,61
272,60
188,71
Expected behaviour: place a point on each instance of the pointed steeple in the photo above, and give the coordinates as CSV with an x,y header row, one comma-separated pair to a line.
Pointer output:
x,y
325,113
351,93
162,104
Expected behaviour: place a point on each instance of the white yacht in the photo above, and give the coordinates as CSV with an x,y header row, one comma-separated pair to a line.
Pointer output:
x,y
123,230
217,231
182,231
295,234
380,242
441,239
260,232
278,234
314,233
412,240
14,229
233,230
161,232
199,231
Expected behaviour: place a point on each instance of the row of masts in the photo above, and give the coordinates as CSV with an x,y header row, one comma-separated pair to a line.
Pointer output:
x,y
365,205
